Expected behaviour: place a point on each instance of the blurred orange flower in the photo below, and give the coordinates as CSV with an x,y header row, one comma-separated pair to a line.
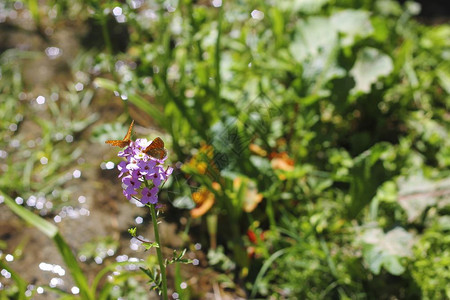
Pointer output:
x,y
257,150
203,162
251,197
204,199
282,161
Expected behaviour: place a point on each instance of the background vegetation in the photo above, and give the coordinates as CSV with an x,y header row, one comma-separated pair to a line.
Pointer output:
x,y
311,140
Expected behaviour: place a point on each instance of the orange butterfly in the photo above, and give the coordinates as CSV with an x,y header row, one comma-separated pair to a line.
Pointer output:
x,y
156,149
126,140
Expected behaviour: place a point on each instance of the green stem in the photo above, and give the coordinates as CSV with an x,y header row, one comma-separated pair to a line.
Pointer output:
x,y
159,253
105,33
217,55
270,214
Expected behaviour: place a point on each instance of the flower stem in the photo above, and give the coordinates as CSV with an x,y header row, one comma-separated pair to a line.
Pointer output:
x,y
159,253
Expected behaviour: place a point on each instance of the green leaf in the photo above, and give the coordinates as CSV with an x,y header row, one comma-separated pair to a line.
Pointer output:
x,y
137,100
20,282
148,246
352,24
132,231
305,6
315,36
443,75
370,65
147,107
386,250
47,228
52,232
392,265
417,193
183,202
106,84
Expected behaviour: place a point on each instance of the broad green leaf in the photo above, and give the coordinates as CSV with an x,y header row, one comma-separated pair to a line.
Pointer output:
x,y
388,7
352,24
416,193
305,6
370,65
393,266
315,36
386,250
444,78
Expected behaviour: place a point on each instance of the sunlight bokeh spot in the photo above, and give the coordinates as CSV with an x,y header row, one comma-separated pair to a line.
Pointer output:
x,y
18,5
75,290
53,52
109,165
216,3
122,258
55,281
39,205
79,87
76,174
40,100
5,273
14,143
19,200
134,246
98,260
81,199
59,136
117,11
257,14
31,201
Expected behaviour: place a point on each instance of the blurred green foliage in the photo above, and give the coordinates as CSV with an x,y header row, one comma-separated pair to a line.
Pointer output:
x,y
36,139
319,128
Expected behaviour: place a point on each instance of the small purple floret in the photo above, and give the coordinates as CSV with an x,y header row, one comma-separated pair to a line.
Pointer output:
x,y
139,167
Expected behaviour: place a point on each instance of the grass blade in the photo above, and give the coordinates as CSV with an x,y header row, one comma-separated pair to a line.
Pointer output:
x,y
52,232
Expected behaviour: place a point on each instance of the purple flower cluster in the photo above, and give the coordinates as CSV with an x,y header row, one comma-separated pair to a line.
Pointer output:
x,y
141,168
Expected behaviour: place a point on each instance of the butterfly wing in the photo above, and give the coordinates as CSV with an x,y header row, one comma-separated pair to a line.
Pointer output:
x,y
156,149
126,140
157,143
118,143
128,135
158,153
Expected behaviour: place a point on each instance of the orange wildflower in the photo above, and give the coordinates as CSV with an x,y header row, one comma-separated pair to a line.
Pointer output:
x,y
282,161
204,199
